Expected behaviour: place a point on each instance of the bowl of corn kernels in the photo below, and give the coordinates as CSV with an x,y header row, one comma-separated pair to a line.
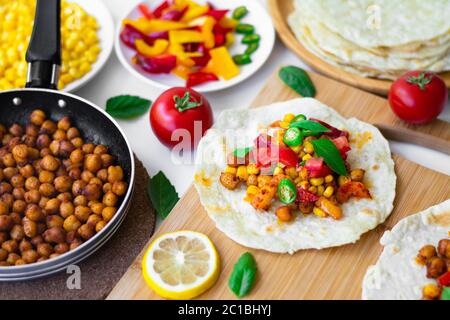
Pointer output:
x,y
87,37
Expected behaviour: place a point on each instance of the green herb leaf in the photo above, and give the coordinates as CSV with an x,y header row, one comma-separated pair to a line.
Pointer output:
x,y
327,150
445,293
243,275
309,125
127,107
186,102
298,80
242,152
421,80
162,194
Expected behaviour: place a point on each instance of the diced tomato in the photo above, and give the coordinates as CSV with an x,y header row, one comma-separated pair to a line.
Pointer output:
x,y
342,145
444,280
287,157
263,141
317,168
198,78
160,64
268,152
262,157
352,189
146,12
216,14
160,9
304,196
334,132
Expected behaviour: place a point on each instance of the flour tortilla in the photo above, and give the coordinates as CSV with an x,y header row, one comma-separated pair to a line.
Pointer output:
x,y
261,230
396,275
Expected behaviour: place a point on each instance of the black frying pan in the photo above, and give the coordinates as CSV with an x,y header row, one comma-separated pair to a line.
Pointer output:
x,y
44,58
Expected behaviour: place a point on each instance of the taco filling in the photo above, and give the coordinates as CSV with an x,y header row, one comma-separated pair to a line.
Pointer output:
x,y
300,162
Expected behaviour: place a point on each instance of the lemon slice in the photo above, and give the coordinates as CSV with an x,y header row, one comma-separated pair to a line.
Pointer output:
x,y
181,265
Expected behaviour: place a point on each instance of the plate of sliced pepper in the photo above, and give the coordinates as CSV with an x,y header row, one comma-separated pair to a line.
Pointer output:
x,y
209,46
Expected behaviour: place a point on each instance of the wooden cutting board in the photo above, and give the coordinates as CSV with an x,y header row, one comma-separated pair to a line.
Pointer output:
x,y
326,274
280,10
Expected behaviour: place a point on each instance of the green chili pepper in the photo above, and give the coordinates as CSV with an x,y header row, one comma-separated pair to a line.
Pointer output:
x,y
298,118
287,192
245,28
251,38
293,137
252,47
240,12
241,59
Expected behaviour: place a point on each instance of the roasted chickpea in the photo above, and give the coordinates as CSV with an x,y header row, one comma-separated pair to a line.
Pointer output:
x,y
66,209
8,160
71,236
48,127
86,231
13,258
52,207
119,188
93,220
108,213
3,254
75,244
43,141
444,248
88,148
33,153
44,249
92,192
115,174
72,133
59,135
65,196
11,246
61,248
32,196
75,173
77,156
16,130
82,213
107,187
100,225
77,142
31,130
63,183
47,189
4,208
20,152
93,162
49,163
86,176
436,266
110,199
78,187
427,252
97,208
71,223
45,152
97,181
43,202
54,235
34,213
80,201
65,148
64,123
25,245
17,181
8,199
46,176
3,237
30,228
17,233
54,255
102,174
32,183
8,173
37,117
16,218
284,214
29,141
6,223
30,256
18,193
19,206
6,139
100,149
27,171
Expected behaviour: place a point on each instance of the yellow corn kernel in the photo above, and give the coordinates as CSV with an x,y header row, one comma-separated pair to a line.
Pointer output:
x,y
253,169
297,149
303,174
316,181
329,178
263,180
231,170
252,190
343,180
284,124
320,190
288,118
304,185
278,171
309,147
297,180
431,291
242,173
307,157
291,172
301,154
329,191
313,189
319,212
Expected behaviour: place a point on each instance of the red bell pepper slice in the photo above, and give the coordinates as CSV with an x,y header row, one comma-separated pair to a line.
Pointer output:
x,y
198,78
160,9
201,61
287,157
218,29
334,132
145,10
160,64
304,196
219,39
444,280
317,168
216,14
343,146
191,47
129,35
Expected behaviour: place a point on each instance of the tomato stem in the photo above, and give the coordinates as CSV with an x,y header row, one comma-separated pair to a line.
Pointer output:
x,y
421,80
185,103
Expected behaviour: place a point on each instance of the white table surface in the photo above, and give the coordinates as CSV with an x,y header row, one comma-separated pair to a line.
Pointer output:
x,y
114,80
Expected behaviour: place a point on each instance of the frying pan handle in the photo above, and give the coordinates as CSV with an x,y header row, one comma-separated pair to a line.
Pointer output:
x,y
44,52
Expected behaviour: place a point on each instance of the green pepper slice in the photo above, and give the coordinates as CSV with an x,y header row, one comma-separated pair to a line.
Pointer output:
x,y
241,59
252,47
293,137
251,38
287,192
245,28
240,12
298,118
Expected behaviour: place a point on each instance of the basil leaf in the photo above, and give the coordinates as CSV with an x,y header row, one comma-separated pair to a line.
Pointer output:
x,y
242,152
327,150
243,275
309,125
298,80
127,107
162,194
445,293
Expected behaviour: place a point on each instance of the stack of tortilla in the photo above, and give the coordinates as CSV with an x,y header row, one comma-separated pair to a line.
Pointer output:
x,y
376,38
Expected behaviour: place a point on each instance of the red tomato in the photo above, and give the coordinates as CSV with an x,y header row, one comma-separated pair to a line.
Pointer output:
x,y
418,97
167,116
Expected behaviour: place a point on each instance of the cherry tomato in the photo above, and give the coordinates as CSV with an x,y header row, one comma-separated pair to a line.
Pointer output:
x,y
179,108
418,97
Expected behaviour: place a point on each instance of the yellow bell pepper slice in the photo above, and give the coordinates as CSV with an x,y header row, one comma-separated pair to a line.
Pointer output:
x,y
229,39
159,47
194,11
226,23
185,36
182,71
207,32
221,64
148,26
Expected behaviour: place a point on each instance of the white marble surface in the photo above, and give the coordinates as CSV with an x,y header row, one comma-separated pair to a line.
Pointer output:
x,y
114,80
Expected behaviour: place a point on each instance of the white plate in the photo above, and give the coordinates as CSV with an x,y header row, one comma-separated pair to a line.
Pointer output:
x,y
257,16
97,9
